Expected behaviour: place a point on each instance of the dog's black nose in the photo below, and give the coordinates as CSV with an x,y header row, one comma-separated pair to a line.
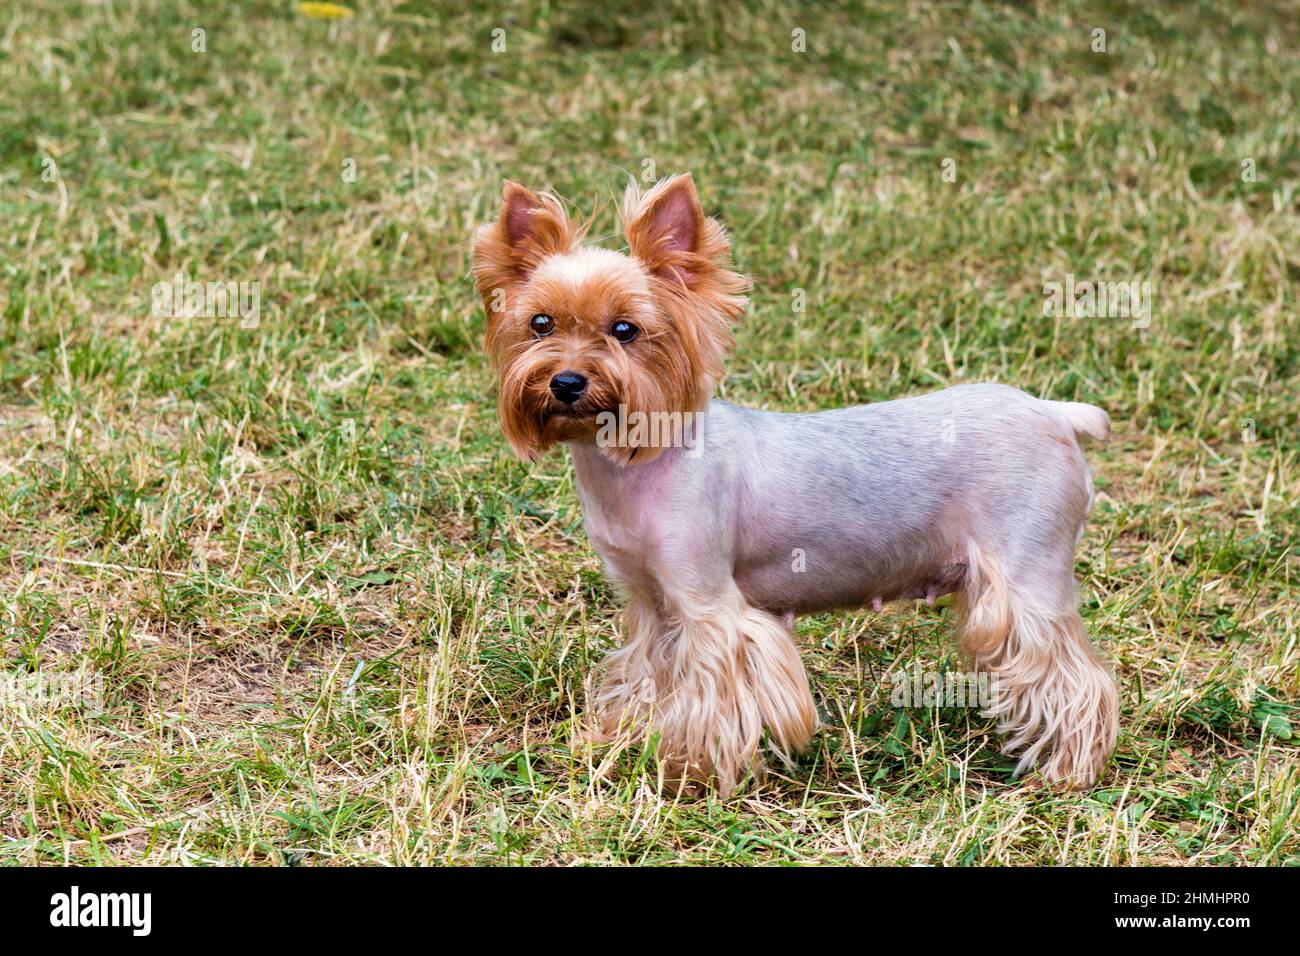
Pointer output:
x,y
568,387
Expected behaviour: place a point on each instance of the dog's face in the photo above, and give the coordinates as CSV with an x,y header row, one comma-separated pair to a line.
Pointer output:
x,y
575,331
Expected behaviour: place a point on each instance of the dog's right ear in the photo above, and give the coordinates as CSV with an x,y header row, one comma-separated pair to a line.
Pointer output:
x,y
529,228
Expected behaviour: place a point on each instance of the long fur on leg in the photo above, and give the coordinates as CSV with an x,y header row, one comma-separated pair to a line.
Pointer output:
x,y
709,677
1053,694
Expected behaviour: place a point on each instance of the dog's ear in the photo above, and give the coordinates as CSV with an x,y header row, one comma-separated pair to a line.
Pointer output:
x,y
529,228
689,260
667,230
529,220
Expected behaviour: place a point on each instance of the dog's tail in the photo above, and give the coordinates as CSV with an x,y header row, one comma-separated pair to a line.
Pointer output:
x,y
1084,419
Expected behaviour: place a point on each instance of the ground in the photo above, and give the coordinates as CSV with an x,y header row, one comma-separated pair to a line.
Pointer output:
x,y
331,620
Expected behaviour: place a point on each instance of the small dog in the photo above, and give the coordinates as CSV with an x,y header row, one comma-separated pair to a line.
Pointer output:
x,y
980,491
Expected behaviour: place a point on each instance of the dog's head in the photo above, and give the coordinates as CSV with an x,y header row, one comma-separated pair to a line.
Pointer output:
x,y
576,331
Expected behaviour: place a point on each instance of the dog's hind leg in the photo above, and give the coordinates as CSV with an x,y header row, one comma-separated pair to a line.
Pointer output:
x,y
1053,697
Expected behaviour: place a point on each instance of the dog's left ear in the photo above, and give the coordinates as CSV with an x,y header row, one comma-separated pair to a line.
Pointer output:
x,y
667,230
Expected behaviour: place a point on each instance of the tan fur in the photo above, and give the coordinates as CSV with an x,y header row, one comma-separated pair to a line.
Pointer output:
x,y
1054,696
708,677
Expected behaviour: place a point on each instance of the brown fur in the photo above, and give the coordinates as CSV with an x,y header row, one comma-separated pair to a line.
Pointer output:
x,y
676,286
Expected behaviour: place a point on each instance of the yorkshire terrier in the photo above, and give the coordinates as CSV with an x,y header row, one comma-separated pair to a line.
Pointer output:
x,y
718,538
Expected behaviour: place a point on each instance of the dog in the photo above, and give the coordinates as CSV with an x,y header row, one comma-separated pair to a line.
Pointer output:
x,y
980,491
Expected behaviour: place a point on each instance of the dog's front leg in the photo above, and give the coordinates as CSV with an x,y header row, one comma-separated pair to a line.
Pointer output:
x,y
709,675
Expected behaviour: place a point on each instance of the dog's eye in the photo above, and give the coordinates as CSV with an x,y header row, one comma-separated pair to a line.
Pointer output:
x,y
542,324
624,331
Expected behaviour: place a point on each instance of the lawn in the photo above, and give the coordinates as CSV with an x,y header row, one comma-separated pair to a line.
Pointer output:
x,y
329,619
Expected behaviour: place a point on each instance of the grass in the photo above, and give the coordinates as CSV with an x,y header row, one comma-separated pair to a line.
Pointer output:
x,y
335,622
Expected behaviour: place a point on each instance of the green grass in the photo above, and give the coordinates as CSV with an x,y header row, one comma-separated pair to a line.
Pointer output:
x,y
337,623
